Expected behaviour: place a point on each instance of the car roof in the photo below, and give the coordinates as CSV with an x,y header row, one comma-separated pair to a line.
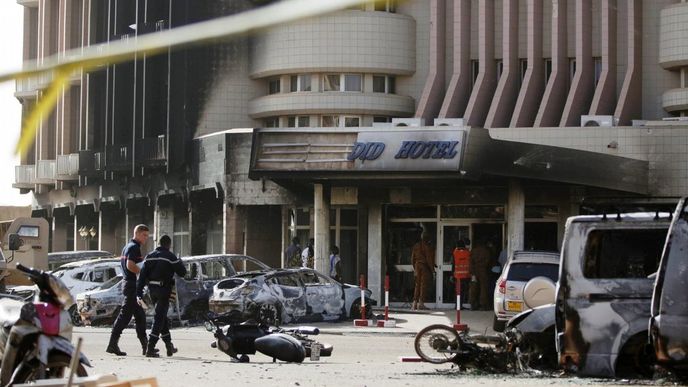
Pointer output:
x,y
80,253
72,265
535,256
205,256
624,217
275,271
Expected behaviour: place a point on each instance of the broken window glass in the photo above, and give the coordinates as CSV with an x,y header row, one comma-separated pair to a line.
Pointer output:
x,y
623,253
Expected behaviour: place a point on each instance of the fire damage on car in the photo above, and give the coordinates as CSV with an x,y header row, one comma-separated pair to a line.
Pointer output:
x,y
287,296
191,293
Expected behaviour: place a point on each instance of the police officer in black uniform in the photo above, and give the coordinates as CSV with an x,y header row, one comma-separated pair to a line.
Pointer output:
x,y
158,273
131,255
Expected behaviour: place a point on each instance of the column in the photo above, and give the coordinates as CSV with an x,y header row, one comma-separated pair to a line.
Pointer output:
x,y
322,228
286,240
630,102
516,207
533,82
234,223
483,91
374,277
59,241
554,99
163,219
431,100
604,100
458,91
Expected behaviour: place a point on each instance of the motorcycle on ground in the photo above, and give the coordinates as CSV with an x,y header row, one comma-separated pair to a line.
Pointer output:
x,y
238,339
35,336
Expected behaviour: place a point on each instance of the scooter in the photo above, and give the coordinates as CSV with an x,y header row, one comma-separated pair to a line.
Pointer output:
x,y
238,339
35,337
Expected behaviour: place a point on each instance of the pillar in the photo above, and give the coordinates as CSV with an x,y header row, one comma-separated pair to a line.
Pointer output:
x,y
234,224
322,229
163,219
516,208
374,277
59,242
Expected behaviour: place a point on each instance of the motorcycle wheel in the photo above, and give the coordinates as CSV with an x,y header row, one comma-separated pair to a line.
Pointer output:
x,y
76,317
57,367
437,344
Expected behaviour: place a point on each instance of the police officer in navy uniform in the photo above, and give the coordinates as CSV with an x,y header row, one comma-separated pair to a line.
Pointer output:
x,y
158,272
131,255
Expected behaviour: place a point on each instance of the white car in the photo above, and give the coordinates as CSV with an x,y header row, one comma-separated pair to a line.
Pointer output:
x,y
82,276
528,280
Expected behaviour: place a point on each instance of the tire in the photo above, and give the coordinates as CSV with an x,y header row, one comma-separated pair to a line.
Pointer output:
x,y
636,359
269,314
76,317
498,325
437,344
57,367
355,312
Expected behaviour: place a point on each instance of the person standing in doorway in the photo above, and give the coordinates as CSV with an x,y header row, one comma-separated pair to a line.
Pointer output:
x,y
480,265
307,254
335,264
131,255
292,256
423,259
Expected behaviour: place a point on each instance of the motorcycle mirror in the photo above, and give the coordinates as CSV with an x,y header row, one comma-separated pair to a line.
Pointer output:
x,y
14,242
209,326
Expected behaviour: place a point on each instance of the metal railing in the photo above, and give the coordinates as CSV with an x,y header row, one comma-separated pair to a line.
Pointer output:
x,y
152,150
45,172
90,162
25,174
68,166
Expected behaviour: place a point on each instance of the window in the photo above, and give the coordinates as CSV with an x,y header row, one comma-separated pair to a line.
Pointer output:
x,y
572,69
623,253
331,82
214,270
500,69
301,82
329,121
191,271
384,84
598,69
287,280
524,68
28,231
242,264
309,278
351,122
181,239
298,122
274,86
382,119
525,271
271,122
385,6
353,82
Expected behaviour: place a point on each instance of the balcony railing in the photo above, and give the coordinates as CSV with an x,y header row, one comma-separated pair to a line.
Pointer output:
x,y
68,167
45,172
119,157
24,176
152,151
90,162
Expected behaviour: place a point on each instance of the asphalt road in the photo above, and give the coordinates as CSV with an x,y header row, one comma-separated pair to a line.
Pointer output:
x,y
361,357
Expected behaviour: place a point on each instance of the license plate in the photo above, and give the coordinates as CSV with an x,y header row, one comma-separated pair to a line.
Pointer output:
x,y
515,306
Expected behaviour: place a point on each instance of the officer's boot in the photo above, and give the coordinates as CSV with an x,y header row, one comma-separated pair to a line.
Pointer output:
x,y
171,350
113,347
150,349
144,345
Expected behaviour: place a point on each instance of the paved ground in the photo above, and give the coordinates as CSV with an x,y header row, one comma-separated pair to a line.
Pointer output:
x,y
361,357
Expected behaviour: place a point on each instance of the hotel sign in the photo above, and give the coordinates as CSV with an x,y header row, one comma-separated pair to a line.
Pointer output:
x,y
429,149
408,150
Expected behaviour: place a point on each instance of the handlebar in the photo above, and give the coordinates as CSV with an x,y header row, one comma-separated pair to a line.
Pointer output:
x,y
29,271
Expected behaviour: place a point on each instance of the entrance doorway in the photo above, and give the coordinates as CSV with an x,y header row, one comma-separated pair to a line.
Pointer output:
x,y
450,234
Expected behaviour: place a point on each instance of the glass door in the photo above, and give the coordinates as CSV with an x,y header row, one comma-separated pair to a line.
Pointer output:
x,y
450,233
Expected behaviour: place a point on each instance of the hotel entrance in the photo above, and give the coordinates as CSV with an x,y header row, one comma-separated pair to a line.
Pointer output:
x,y
404,231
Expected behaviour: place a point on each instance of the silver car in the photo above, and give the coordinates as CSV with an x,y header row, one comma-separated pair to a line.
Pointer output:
x,y
527,281
288,295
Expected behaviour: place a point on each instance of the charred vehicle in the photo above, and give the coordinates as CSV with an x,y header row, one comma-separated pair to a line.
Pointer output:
x,y
670,298
288,295
101,305
603,295
60,258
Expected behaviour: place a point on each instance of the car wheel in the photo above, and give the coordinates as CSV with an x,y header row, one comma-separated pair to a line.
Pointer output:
x,y
355,312
76,317
497,324
636,358
269,314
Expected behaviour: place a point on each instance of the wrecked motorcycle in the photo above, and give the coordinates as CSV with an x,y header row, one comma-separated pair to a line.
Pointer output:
x,y
501,353
238,339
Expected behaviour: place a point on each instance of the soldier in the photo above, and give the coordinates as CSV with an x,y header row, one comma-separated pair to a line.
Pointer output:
x,y
158,274
423,259
131,255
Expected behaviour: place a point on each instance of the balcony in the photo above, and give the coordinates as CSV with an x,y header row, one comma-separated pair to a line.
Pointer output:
x,y
118,158
24,176
45,172
90,162
152,152
68,167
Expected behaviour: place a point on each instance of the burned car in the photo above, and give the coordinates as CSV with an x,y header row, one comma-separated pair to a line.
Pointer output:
x,y
603,296
669,313
81,276
288,295
102,305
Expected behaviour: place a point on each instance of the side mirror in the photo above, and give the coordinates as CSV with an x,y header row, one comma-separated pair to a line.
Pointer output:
x,y
14,241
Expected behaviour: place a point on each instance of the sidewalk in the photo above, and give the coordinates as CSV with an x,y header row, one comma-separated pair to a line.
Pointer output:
x,y
410,322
